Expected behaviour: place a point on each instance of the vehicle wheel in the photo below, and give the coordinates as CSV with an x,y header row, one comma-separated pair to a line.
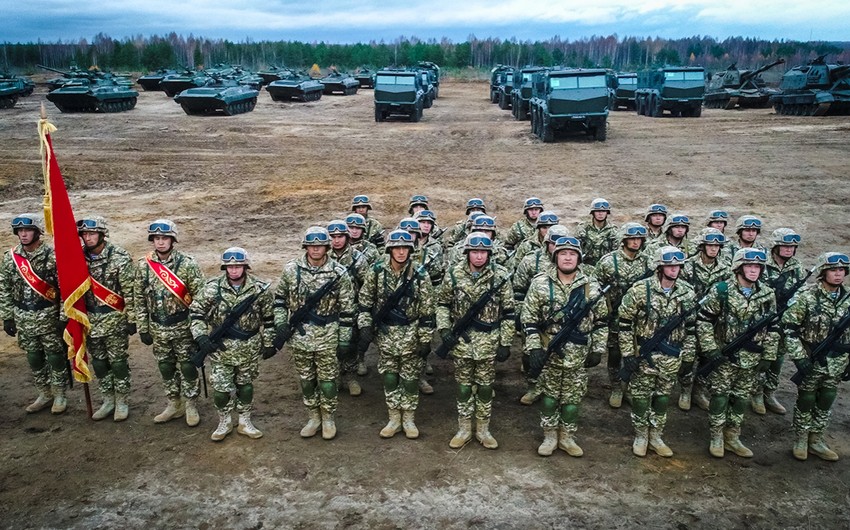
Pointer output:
x,y
416,115
533,120
655,108
379,116
639,107
601,133
503,101
696,112
493,96
428,102
547,134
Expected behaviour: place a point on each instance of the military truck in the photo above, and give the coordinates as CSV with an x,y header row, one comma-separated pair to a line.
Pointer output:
x,y
399,91
434,74
624,96
521,93
676,89
571,99
506,88
498,75
426,77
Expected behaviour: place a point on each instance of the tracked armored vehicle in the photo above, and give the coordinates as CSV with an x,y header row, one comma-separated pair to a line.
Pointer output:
x,y
10,90
150,82
226,96
298,86
339,83
274,73
734,87
816,89
365,77
99,95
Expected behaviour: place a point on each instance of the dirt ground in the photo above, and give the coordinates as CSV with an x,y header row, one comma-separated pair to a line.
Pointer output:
x,y
259,179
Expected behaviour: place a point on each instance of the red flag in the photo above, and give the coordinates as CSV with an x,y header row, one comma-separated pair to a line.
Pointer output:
x,y
70,263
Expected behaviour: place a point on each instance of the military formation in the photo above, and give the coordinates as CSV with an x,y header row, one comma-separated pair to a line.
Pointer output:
x,y
710,316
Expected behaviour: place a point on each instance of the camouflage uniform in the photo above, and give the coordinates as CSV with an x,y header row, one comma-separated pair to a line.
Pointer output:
x,y
528,247
367,248
431,255
500,255
596,242
373,231
687,246
519,232
735,245
358,274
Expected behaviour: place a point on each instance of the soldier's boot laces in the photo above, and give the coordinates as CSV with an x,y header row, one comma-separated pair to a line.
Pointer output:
x,y
685,398
60,401
639,445
122,408
658,445
42,401
425,387
567,443
225,427
531,396
801,446
615,400
757,403
463,435
772,404
550,442
174,409
192,416
409,425
818,447
105,409
715,446
394,425
328,426
354,388
247,428
482,434
362,369
732,442
313,424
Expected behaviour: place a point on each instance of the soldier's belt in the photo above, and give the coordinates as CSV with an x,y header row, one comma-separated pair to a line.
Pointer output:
x,y
170,320
484,327
396,318
38,305
239,333
319,320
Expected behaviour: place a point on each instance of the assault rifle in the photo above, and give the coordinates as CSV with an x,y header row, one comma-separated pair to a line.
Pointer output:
x,y
297,318
745,339
821,351
395,298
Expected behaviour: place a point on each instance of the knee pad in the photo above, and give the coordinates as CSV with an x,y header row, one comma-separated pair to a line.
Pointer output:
x,y
308,387
718,404
120,369
737,405
58,361
485,393
411,386
328,389
548,406
640,406
101,367
168,369
826,396
464,393
390,381
35,360
221,399
245,393
660,404
569,413
806,400
189,371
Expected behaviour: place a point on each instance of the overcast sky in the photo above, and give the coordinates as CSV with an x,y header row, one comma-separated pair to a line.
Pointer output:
x,y
345,21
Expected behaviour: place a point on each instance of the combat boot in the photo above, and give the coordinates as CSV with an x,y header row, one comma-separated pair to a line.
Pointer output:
x,y
772,404
313,424
105,409
732,441
192,416
328,426
410,429
818,447
482,434
362,369
394,425
60,402
429,370
701,398
425,387
658,445
40,402
639,445
122,408
757,403
615,400
715,446
174,409
801,446
354,388
550,442
567,443
531,396
225,427
463,435
685,398
246,427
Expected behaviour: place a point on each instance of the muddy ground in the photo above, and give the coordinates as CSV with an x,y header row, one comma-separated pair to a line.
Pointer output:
x,y
259,179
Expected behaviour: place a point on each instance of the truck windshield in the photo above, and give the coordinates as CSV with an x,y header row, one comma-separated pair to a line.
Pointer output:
x,y
578,81
395,80
509,78
684,76
627,80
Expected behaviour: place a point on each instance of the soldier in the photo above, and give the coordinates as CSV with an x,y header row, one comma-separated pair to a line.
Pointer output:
x,y
675,235
645,307
717,219
167,282
486,225
621,269
431,249
747,228
524,228
356,228
417,204
30,309
536,239
326,332
461,228
403,335
111,310
490,335
812,315
730,308
782,271
656,216
235,360
598,237
702,271
563,380
374,232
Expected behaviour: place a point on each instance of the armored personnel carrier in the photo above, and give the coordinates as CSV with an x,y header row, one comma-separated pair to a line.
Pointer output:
x,y
624,96
273,73
219,95
816,89
98,95
399,91
676,89
521,93
339,83
365,77
10,90
498,76
434,69
572,99
734,87
295,85
150,82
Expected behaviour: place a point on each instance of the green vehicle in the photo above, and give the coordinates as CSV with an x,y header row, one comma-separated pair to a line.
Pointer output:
x,y
10,90
624,96
274,73
99,95
295,85
678,90
365,77
434,75
521,93
734,87
220,94
336,83
499,75
816,89
573,99
399,92
506,88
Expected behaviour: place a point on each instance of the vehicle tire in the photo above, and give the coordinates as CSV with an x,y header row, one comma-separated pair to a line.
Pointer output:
x,y
639,106
696,112
601,133
416,115
547,134
379,116
493,97
655,108
533,120
503,101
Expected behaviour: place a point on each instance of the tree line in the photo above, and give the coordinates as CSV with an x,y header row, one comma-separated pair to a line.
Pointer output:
x,y
625,54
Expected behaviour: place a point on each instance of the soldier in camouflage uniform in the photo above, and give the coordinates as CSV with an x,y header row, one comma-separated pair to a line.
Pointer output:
x,y
598,236
356,228
325,334
730,308
167,282
417,204
524,228
430,250
403,337
747,229
536,240
621,269
374,232
718,219
235,360
486,225
458,232
111,313
675,235
563,380
656,216
813,313
490,336
645,307
34,315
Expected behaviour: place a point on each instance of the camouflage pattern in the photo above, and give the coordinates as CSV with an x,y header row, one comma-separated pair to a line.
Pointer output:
x,y
527,247
653,244
357,264
734,245
500,254
367,248
519,232
373,227
782,279
652,236
475,372
46,355
533,264
432,255
596,242
112,349
702,276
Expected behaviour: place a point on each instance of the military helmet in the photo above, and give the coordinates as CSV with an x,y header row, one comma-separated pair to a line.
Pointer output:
x,y
426,215
411,225
747,255
668,255
316,236
477,241
632,230
567,243
28,220
338,226
832,260
556,231
235,256
360,200
547,218
677,220
711,236
532,202
483,222
717,215
93,224
655,208
417,200
162,227
748,221
600,205
475,204
785,237
356,220
399,238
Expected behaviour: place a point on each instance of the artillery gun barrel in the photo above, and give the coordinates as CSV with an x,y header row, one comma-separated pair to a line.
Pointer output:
x,y
839,72
749,75
63,72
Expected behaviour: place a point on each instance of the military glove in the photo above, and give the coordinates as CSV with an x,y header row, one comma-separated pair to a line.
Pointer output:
x,y
424,349
631,364
281,334
593,359
10,327
146,338
536,362
713,355
345,351
130,328
445,334
763,366
364,340
205,344
686,369
804,365
269,352
503,353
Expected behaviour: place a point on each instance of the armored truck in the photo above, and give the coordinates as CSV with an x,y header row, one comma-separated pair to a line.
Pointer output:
x,y
676,89
573,99
399,92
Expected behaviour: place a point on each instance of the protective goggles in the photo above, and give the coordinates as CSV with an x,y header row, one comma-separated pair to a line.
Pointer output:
x,y
480,242
714,239
84,224
487,223
658,208
838,259
790,239
567,240
419,199
533,202
475,203
355,221
338,228
23,222
316,237
751,223
636,231
758,255
159,227
234,255
360,199
426,215
600,205
718,215
399,236
409,224
677,255
547,219
680,220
